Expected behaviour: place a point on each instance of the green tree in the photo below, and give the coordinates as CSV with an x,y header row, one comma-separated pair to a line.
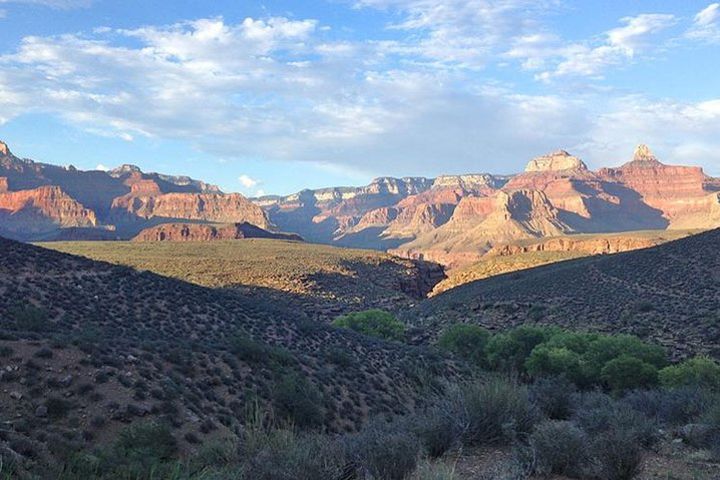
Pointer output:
x,y
626,372
375,323
466,341
698,371
510,350
546,360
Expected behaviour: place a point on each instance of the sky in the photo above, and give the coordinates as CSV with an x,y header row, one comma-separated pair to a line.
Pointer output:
x,y
273,96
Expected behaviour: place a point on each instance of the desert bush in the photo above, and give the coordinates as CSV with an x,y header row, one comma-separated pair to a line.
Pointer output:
x,y
559,447
466,341
699,371
384,450
434,471
5,351
617,454
374,323
437,428
668,406
29,318
299,401
495,411
597,413
57,407
247,349
553,396
278,454
146,441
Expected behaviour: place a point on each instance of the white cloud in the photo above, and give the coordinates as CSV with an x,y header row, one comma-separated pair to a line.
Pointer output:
x,y
102,167
706,26
247,181
460,32
619,46
277,89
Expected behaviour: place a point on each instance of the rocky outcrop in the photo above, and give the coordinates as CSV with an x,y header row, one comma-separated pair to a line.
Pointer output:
x,y
30,212
677,192
556,161
41,198
479,224
186,232
591,245
205,207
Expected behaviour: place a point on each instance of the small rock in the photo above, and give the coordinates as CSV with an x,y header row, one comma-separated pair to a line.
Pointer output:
x,y
66,381
41,411
15,395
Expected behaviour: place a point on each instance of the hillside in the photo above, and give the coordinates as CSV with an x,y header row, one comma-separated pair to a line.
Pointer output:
x,y
669,293
89,347
320,280
534,253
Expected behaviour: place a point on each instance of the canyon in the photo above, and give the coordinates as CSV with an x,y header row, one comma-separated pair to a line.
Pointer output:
x,y
453,220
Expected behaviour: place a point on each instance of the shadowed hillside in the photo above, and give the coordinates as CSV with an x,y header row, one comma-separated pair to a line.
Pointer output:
x,y
669,293
320,280
87,347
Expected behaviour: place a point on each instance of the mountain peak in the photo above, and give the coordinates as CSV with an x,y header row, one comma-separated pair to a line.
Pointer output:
x,y
125,168
4,150
644,154
557,160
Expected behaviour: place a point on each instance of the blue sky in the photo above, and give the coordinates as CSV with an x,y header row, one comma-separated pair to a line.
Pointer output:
x,y
276,96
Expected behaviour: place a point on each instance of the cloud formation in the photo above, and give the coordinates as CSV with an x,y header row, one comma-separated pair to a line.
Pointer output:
x,y
706,25
247,181
280,89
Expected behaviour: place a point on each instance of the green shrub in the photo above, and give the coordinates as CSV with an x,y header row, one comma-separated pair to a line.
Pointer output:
x,y
698,371
559,447
466,341
299,401
508,351
589,359
146,442
247,349
546,360
374,323
626,372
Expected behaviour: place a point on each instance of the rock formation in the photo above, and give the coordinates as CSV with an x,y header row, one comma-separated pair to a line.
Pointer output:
x,y
39,201
556,161
186,232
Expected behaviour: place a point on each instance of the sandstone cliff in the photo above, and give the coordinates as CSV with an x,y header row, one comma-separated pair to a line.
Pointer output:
x,y
40,201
